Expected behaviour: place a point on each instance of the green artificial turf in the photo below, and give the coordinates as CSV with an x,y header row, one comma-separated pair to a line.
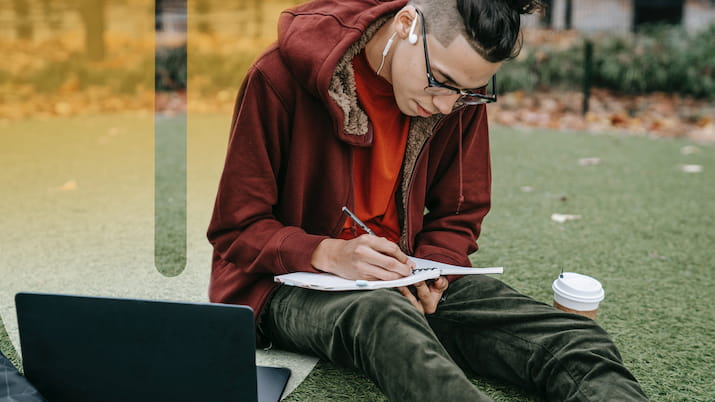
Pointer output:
x,y
6,346
646,231
170,165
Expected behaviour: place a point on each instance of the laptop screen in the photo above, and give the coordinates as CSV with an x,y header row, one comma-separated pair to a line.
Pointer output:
x,y
78,348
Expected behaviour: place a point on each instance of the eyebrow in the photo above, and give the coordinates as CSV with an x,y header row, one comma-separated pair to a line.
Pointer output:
x,y
449,79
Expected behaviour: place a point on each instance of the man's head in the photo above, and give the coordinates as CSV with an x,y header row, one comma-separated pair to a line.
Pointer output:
x,y
466,41
491,27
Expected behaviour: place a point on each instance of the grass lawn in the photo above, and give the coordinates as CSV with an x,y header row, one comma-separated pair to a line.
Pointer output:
x,y
646,231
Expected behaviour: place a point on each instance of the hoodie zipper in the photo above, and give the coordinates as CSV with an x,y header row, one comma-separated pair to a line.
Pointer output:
x,y
408,239
351,194
350,199
408,229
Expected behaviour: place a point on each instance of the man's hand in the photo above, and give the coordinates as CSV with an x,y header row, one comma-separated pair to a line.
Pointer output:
x,y
366,257
428,295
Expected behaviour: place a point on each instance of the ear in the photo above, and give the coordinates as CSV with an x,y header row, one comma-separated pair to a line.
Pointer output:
x,y
407,24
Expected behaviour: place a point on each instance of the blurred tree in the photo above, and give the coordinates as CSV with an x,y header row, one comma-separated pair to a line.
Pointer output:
x,y
657,12
258,18
94,20
203,8
52,14
547,17
242,15
23,24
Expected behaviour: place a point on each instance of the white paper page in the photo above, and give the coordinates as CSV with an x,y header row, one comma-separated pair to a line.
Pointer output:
x,y
426,269
333,282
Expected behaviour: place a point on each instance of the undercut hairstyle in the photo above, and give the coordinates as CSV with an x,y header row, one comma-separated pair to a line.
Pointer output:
x,y
491,27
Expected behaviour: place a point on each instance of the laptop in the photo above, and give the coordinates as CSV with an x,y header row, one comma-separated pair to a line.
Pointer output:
x,y
80,348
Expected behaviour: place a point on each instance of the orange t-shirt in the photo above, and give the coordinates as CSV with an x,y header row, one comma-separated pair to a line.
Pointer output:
x,y
377,168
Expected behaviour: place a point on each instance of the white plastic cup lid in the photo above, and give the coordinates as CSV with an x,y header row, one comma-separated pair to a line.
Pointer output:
x,y
578,288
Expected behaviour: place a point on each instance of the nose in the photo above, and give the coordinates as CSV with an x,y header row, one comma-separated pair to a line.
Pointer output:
x,y
445,103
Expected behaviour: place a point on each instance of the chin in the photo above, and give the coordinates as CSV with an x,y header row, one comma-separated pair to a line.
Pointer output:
x,y
405,110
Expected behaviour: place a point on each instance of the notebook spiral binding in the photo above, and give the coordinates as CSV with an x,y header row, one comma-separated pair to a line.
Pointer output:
x,y
423,269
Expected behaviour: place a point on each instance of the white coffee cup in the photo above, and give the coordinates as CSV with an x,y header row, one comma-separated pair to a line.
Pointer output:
x,y
577,293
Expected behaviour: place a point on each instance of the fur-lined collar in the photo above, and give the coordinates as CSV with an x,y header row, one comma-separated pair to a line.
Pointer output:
x,y
342,84
343,91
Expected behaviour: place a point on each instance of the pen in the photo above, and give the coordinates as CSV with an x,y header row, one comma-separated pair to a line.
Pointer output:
x,y
358,221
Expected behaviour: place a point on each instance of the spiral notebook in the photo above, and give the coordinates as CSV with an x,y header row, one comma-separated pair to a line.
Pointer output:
x,y
426,269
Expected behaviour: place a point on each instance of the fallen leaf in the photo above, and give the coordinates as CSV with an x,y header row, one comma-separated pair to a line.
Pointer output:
x,y
561,218
619,120
72,84
655,255
691,168
704,121
689,150
63,108
70,185
589,161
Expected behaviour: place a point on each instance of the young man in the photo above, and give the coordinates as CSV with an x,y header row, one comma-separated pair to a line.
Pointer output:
x,y
379,106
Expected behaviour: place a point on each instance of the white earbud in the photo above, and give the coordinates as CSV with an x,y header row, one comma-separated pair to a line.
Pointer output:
x,y
384,52
387,46
412,38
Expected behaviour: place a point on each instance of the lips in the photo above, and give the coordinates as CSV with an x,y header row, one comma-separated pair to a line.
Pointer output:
x,y
422,111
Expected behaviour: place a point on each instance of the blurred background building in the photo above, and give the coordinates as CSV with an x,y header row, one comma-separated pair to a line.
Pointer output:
x,y
171,22
624,16
647,65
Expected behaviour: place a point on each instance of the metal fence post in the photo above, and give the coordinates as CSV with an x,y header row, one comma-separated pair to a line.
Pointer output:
x,y
587,72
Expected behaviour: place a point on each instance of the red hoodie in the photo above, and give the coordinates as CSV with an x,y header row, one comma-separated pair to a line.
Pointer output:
x,y
288,169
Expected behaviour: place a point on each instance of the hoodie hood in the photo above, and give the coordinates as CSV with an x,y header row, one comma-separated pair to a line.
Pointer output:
x,y
318,41
336,34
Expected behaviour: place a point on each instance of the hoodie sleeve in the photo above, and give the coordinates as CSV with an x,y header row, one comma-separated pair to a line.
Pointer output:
x,y
246,235
459,193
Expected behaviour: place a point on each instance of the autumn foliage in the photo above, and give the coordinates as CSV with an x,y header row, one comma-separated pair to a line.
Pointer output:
x,y
52,75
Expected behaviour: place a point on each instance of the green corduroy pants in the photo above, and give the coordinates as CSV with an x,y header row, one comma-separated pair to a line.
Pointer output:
x,y
483,328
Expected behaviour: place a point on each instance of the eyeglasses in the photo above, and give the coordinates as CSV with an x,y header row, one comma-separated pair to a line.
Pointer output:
x,y
474,96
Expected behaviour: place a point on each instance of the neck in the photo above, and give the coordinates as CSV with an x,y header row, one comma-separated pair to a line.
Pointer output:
x,y
374,48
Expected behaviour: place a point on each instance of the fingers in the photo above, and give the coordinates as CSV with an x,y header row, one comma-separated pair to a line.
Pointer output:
x,y
366,257
391,249
383,254
440,284
387,247
423,291
371,273
390,265
406,292
427,297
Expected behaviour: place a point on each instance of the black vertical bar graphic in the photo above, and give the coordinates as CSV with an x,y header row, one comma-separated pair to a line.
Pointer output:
x,y
170,137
